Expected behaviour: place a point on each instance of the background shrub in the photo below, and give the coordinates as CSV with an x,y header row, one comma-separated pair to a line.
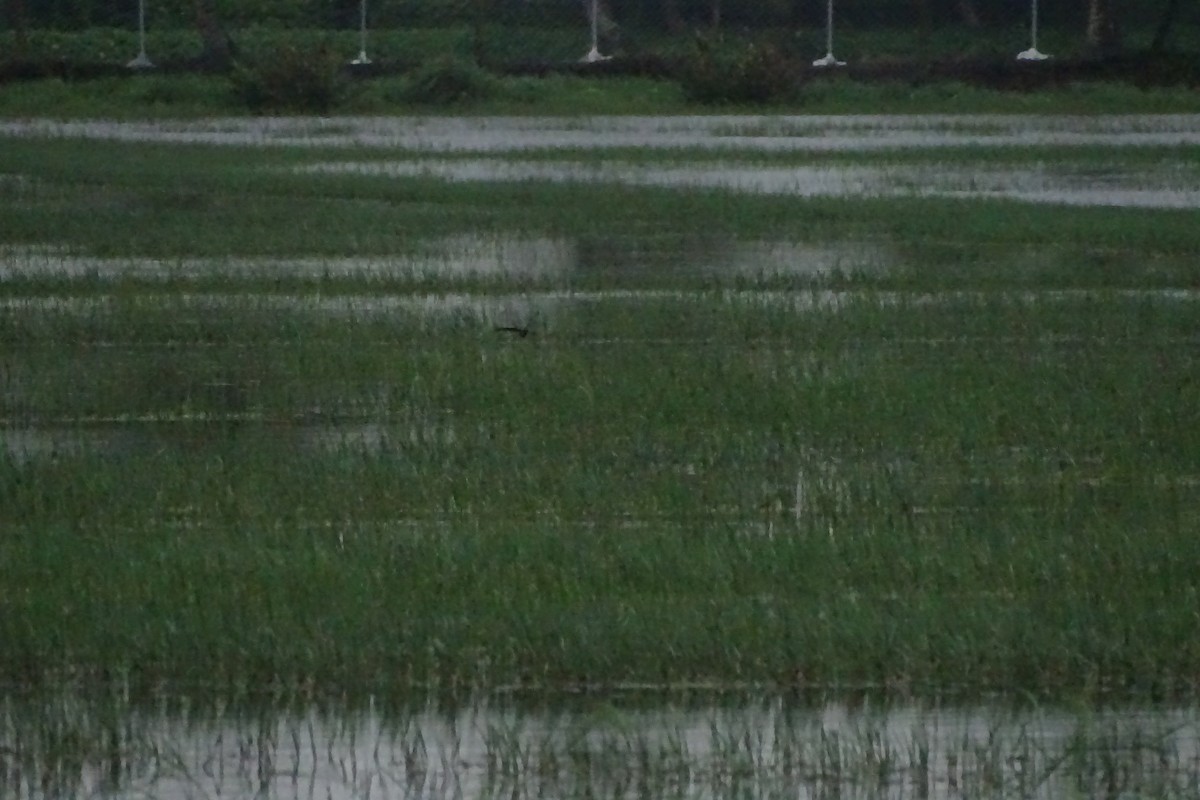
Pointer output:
x,y
720,72
448,80
291,79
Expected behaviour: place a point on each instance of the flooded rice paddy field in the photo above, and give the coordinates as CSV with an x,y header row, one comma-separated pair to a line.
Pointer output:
x,y
428,142
563,417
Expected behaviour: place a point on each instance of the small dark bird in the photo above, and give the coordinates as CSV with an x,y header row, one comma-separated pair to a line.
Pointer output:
x,y
513,329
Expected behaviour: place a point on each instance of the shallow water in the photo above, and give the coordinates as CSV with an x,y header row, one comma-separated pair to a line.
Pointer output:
x,y
463,255
762,133
520,308
135,436
513,257
1138,188
626,745
1170,184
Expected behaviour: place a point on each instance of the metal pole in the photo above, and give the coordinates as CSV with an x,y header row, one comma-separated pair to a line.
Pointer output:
x,y
829,27
828,60
1032,54
142,61
362,35
593,55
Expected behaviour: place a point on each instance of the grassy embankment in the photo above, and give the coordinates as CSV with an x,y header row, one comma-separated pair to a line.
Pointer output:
x,y
948,474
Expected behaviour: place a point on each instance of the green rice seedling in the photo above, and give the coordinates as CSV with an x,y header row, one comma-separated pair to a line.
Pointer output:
x,y
958,471
249,207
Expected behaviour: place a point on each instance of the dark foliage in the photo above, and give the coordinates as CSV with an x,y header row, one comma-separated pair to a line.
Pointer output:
x,y
448,80
291,79
757,73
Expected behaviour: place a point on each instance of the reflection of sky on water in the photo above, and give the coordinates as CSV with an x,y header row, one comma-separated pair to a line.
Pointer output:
x,y
542,305
460,255
477,256
1140,188
594,747
143,435
753,133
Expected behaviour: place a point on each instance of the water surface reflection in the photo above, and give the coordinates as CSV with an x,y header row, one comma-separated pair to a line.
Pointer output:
x,y
635,745
750,132
1136,188
497,257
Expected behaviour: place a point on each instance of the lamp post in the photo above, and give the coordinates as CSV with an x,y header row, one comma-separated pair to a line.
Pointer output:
x,y
1032,54
141,61
828,60
362,34
593,55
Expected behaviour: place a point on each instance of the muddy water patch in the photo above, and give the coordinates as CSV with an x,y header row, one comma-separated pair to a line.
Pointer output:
x,y
1169,189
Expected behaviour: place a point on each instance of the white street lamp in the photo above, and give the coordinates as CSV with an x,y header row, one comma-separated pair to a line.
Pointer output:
x,y
1032,54
362,35
829,60
142,61
593,55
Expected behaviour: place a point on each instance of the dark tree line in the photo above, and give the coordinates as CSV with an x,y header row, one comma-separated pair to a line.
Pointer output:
x,y
1102,21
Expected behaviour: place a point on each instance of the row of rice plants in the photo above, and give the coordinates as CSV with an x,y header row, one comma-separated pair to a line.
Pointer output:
x,y
171,202
721,492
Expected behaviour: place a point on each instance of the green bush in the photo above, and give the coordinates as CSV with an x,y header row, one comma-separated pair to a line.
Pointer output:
x,y
448,80
718,72
291,79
